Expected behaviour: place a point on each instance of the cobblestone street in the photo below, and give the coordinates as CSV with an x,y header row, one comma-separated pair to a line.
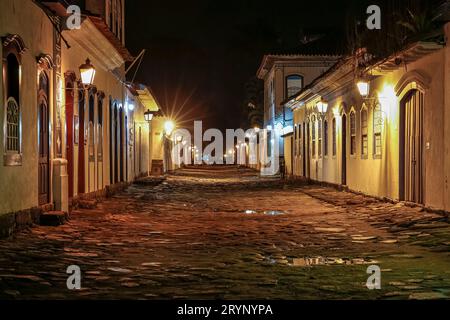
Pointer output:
x,y
226,233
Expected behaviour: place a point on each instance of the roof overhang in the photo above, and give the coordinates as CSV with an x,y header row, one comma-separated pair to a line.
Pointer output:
x,y
409,55
91,39
145,97
270,60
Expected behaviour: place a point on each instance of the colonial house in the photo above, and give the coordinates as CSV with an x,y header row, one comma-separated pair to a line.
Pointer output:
x,y
284,76
379,126
68,128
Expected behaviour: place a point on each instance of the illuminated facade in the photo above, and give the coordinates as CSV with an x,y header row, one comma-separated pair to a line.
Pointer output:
x,y
284,76
62,139
391,143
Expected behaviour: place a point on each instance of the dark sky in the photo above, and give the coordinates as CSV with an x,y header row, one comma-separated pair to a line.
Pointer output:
x,y
201,52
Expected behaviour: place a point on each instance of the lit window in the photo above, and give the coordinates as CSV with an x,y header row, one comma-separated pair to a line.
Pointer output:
x,y
377,127
325,136
334,137
352,133
294,83
364,133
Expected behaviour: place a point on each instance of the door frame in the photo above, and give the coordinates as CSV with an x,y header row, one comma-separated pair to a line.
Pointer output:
x,y
43,99
402,146
344,149
70,101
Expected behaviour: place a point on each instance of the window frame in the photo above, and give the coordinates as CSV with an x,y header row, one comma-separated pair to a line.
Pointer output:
x,y
291,77
377,135
313,137
334,137
353,130
364,133
12,45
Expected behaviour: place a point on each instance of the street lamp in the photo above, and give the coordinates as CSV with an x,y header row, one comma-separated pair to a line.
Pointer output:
x,y
148,115
169,126
322,106
363,87
87,72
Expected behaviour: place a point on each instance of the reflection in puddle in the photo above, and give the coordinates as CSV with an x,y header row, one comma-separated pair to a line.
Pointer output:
x,y
324,261
268,213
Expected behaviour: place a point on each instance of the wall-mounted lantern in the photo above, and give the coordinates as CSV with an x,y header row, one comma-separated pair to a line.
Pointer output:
x,y
87,72
363,88
148,115
322,106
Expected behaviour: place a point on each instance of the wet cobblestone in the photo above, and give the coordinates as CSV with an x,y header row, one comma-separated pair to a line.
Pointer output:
x,y
226,233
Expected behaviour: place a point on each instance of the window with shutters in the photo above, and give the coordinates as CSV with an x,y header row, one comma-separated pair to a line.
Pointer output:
x,y
377,130
364,134
353,133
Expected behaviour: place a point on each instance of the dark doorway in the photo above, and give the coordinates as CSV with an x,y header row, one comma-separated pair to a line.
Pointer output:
x,y
43,141
304,150
111,142
344,150
121,144
411,147
308,154
70,133
81,143
116,159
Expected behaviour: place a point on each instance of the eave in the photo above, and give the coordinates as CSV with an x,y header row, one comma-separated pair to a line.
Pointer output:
x,y
91,39
407,56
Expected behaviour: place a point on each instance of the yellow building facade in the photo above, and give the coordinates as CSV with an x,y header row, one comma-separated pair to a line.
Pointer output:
x,y
391,143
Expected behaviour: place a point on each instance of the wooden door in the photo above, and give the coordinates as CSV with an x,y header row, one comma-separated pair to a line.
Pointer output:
x,y
411,148
44,167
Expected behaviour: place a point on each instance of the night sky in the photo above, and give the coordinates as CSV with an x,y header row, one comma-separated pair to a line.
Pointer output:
x,y
201,52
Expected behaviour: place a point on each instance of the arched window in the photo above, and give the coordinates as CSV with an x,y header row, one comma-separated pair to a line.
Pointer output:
x,y
377,129
313,136
352,133
334,137
294,83
325,136
320,137
364,133
12,49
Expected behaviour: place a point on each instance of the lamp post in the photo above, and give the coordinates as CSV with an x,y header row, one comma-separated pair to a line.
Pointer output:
x,y
148,116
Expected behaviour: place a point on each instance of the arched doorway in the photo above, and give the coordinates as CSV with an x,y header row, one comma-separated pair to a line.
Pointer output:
x,y
344,150
121,144
411,147
116,151
43,140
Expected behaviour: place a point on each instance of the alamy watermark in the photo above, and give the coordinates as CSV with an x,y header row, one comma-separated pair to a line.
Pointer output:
x,y
374,280
74,280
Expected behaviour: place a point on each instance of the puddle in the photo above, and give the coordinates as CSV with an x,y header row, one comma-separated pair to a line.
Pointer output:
x,y
330,261
268,213
274,213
